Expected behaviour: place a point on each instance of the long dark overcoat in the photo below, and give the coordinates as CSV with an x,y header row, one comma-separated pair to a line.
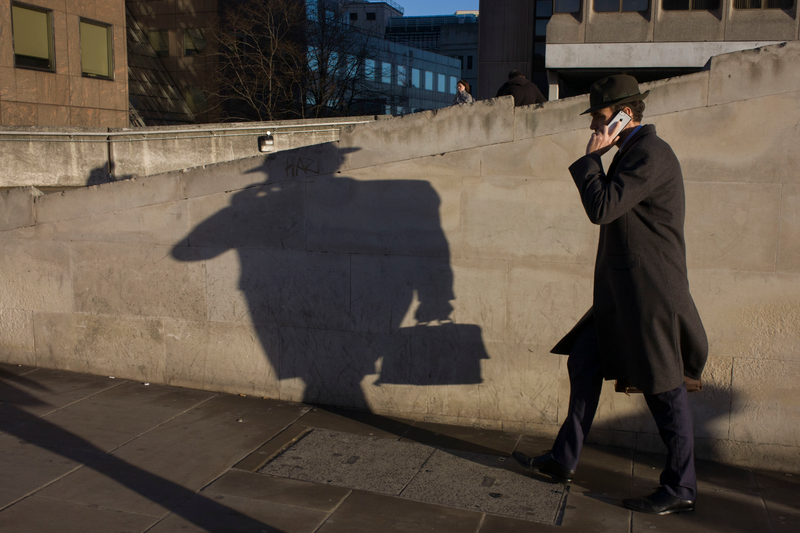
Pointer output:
x,y
648,328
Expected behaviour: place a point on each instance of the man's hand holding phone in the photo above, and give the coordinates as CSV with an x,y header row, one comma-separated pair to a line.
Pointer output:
x,y
604,138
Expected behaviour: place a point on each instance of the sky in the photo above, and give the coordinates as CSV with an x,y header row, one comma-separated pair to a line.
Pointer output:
x,y
436,7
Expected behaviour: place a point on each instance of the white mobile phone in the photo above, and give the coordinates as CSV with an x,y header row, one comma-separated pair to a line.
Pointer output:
x,y
620,118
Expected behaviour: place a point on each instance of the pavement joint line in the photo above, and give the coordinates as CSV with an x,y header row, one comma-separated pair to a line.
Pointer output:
x,y
283,448
109,452
34,492
253,451
400,494
170,419
100,508
329,515
79,400
480,523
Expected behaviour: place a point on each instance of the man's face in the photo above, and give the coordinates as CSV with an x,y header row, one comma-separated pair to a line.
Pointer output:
x,y
600,118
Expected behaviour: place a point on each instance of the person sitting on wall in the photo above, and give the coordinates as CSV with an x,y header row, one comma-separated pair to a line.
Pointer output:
x,y
462,96
643,327
524,91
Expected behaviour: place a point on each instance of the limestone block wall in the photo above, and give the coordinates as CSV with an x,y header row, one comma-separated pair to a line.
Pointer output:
x,y
424,266
52,157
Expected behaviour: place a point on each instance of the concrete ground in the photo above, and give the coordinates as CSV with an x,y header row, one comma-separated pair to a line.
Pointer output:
x,y
87,453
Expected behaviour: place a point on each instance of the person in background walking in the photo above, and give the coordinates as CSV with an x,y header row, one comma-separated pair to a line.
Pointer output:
x,y
524,91
462,96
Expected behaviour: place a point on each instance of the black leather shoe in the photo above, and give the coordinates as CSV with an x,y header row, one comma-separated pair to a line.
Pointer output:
x,y
544,464
660,502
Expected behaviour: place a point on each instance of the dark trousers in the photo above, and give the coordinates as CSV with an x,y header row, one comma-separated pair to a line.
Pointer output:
x,y
669,409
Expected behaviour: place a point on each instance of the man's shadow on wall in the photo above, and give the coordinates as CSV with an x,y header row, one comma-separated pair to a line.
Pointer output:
x,y
342,279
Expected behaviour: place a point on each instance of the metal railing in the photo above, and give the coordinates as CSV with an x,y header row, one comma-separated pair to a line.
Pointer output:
x,y
157,134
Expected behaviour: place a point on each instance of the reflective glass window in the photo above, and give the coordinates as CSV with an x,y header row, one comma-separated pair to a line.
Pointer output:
x,y
194,41
33,38
96,54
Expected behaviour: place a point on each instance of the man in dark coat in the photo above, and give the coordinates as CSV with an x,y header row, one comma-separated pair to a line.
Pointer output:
x,y
643,328
524,92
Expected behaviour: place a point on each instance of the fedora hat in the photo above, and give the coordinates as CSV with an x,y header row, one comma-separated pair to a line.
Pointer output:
x,y
613,90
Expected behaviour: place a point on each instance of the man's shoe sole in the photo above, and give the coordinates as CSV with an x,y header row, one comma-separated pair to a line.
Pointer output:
x,y
662,513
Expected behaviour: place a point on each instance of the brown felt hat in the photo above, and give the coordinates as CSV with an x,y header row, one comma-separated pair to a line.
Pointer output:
x,y
613,90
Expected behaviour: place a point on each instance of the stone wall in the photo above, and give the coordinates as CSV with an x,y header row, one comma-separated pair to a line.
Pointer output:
x,y
424,266
52,157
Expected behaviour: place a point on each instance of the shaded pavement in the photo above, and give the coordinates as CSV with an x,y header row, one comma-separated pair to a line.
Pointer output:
x,y
88,453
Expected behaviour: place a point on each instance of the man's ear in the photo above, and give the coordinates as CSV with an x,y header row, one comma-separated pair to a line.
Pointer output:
x,y
628,111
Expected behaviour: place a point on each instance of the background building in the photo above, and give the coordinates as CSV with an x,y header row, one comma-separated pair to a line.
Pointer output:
x,y
512,37
63,64
454,35
426,45
650,39
656,39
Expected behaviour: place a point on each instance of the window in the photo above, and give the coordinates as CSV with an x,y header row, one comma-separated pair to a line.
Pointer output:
x,y
763,4
194,41
312,10
469,62
312,59
351,63
402,81
453,85
33,38
353,17
544,8
399,110
96,55
369,69
415,78
195,98
387,110
386,73
370,16
442,81
540,28
159,40
608,6
567,6
428,80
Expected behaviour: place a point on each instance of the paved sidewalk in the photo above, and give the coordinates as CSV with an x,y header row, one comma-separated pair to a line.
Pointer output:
x,y
87,453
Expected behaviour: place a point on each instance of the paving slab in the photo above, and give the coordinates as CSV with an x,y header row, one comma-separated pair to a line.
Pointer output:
x,y
27,467
111,418
42,515
483,483
586,512
44,390
462,438
717,510
272,447
780,492
7,369
363,512
710,476
353,461
279,490
229,514
604,473
356,422
164,468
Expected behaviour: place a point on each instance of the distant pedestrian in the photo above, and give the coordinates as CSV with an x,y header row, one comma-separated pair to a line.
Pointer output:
x,y
462,96
524,91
